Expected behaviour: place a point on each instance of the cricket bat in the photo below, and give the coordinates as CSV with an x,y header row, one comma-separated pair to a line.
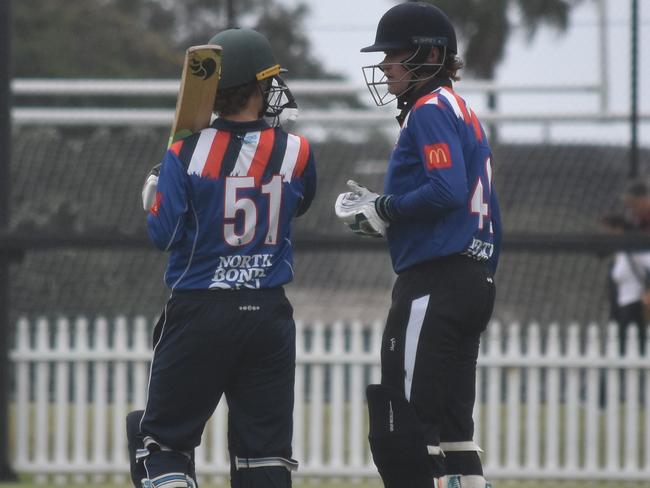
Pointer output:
x,y
198,90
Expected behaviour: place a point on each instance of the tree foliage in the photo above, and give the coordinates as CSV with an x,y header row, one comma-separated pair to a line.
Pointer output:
x,y
143,38
486,26
80,38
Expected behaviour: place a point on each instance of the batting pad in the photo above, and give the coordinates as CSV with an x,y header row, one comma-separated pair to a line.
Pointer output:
x,y
396,440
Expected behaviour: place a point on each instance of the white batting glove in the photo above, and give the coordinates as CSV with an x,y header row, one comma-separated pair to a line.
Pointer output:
x,y
150,188
356,209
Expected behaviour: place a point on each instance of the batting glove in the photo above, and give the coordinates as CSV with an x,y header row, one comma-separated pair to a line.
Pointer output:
x,y
150,188
358,210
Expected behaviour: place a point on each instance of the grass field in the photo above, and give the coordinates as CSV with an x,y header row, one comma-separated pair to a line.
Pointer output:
x,y
348,484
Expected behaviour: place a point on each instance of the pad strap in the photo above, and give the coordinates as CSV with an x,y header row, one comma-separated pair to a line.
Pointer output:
x,y
435,450
462,481
151,445
168,480
460,446
140,454
246,463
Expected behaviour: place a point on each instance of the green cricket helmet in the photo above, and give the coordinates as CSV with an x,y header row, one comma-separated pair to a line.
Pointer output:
x,y
247,57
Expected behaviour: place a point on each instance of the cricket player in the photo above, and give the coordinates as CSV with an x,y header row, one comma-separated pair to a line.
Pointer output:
x,y
440,216
226,198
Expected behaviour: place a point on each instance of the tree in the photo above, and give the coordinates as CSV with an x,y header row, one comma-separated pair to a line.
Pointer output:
x,y
143,38
80,38
485,25
291,45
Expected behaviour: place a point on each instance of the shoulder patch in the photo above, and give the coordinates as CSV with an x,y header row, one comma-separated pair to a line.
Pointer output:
x,y
438,156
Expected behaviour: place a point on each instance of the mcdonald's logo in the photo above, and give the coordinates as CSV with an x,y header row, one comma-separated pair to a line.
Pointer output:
x,y
437,156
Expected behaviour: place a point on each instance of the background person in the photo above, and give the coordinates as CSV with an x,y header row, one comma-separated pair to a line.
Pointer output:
x,y
629,273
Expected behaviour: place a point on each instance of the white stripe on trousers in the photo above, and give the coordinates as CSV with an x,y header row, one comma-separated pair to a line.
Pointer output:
x,y
413,328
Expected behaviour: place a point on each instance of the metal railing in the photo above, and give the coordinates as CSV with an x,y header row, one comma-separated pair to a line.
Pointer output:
x,y
79,88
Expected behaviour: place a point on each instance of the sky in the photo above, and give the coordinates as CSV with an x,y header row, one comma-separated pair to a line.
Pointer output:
x,y
339,28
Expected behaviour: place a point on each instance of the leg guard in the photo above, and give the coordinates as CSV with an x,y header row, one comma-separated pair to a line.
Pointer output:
x,y
462,458
138,452
271,472
167,468
169,480
463,481
396,438
136,447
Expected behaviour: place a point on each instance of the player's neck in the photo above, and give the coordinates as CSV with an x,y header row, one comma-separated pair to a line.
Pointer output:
x,y
242,117
249,112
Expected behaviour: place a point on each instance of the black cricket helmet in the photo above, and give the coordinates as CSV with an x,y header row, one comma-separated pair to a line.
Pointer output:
x,y
415,27
247,57
413,24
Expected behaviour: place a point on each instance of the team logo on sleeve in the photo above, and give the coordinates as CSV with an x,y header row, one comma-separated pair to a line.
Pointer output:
x,y
155,208
437,156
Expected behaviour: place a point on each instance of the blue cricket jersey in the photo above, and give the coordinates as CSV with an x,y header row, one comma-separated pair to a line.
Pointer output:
x,y
226,198
440,176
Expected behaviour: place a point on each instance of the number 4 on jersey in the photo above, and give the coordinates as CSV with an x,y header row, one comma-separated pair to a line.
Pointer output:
x,y
480,205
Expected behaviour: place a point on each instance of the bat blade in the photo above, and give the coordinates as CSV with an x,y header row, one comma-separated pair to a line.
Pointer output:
x,y
198,90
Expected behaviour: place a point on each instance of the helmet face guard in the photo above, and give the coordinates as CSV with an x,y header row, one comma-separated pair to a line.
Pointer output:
x,y
417,71
277,98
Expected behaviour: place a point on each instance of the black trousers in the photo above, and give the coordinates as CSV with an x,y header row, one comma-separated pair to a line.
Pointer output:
x,y
241,343
630,316
431,341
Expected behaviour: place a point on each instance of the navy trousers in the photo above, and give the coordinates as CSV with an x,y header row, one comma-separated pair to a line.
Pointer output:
x,y
210,343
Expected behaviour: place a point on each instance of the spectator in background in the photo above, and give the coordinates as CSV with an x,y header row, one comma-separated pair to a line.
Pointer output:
x,y
636,198
630,270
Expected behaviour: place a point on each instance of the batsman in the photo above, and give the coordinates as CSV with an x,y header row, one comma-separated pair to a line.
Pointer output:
x,y
221,204
440,216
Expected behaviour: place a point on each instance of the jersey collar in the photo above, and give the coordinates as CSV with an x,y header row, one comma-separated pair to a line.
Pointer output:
x,y
405,104
233,126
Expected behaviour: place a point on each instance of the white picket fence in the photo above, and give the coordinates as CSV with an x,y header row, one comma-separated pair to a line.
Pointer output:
x,y
554,402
